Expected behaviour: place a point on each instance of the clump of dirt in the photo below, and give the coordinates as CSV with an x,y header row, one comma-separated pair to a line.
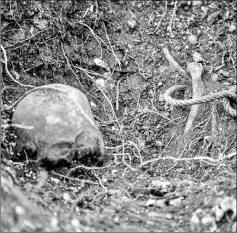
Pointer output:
x,y
151,177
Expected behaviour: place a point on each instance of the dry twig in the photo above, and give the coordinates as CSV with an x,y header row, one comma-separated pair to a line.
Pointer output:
x,y
88,168
8,72
158,25
171,21
175,65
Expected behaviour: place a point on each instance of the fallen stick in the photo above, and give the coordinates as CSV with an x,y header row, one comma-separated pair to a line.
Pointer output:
x,y
175,65
195,70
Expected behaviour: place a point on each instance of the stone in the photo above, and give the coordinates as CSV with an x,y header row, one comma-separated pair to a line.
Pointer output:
x,y
193,39
56,121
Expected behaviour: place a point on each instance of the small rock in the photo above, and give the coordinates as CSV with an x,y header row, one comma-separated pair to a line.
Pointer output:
x,y
166,71
226,84
150,202
151,92
114,172
232,28
158,203
55,180
108,212
115,192
93,104
99,62
212,18
135,81
146,133
159,143
214,77
177,48
132,23
54,222
204,11
100,82
104,180
153,215
218,213
186,46
197,3
209,222
73,189
159,84
193,39
229,203
75,222
195,223
224,73
176,201
66,197
169,216
19,210
233,228
161,98
197,57
186,8
163,186
139,5
109,84
199,32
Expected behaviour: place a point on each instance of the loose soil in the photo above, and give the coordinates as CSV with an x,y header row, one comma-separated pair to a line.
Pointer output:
x,y
150,179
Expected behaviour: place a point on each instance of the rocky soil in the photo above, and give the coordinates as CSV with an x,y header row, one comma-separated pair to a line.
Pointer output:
x,y
150,179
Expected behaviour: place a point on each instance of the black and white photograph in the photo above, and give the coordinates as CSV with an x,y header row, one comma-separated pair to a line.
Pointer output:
x,y
118,115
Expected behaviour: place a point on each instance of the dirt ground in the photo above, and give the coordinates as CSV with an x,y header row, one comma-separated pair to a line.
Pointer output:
x,y
150,179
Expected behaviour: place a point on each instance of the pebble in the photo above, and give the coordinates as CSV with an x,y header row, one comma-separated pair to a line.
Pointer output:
x,y
177,48
186,47
161,98
54,222
99,62
224,73
218,213
66,197
226,84
195,222
163,186
197,57
193,39
139,5
212,17
233,228
199,32
132,23
166,72
75,222
55,180
159,143
209,221
100,82
108,212
135,81
19,210
197,3
204,9
214,77
159,84
232,28
93,105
